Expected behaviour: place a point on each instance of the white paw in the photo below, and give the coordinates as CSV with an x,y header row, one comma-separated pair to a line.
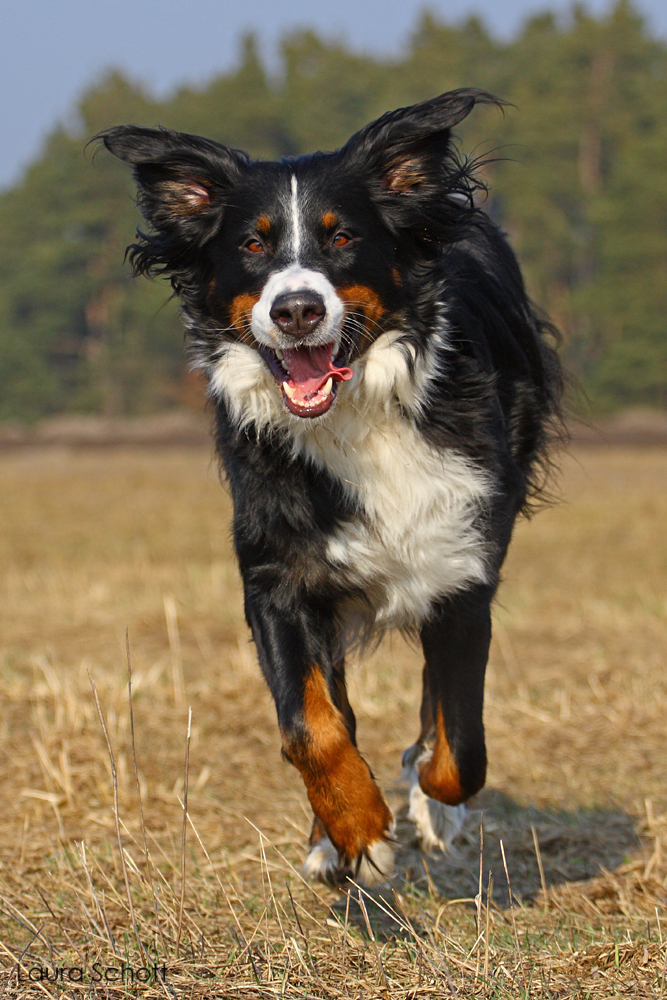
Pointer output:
x,y
378,866
322,862
437,824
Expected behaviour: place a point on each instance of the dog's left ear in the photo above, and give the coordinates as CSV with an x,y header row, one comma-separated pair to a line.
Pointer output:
x,y
404,152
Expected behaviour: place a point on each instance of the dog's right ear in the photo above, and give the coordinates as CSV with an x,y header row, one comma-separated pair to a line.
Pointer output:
x,y
182,180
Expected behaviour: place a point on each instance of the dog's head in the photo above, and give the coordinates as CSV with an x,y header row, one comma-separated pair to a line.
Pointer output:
x,y
304,261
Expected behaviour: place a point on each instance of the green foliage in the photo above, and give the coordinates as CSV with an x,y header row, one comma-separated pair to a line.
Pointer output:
x,y
587,210
576,164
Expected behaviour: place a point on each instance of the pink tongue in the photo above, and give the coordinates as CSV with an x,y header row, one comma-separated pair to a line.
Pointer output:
x,y
310,367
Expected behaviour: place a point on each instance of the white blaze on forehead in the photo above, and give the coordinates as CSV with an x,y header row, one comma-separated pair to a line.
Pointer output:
x,y
295,219
297,279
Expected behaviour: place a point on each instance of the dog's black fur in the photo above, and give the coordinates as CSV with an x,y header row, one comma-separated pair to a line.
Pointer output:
x,y
390,226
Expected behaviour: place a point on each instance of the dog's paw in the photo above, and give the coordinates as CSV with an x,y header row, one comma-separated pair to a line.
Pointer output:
x,y
376,865
437,823
322,862
373,867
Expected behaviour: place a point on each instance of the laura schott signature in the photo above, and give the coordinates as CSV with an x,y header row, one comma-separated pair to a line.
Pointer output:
x,y
97,973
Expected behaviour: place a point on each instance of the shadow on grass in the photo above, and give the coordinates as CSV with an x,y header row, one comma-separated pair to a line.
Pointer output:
x,y
574,846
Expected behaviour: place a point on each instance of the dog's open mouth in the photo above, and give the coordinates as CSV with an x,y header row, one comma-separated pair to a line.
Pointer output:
x,y
307,376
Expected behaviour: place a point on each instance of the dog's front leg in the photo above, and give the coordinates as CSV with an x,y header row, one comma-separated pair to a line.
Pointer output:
x,y
448,763
295,652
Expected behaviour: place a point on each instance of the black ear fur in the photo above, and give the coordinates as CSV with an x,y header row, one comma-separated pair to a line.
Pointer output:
x,y
407,156
182,185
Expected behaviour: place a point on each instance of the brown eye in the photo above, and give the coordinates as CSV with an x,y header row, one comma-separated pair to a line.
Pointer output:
x,y
254,246
340,239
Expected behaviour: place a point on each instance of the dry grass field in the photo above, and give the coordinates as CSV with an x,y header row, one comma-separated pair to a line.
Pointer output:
x,y
94,541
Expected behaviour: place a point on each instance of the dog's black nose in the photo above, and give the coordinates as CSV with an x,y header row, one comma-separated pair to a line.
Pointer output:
x,y
298,313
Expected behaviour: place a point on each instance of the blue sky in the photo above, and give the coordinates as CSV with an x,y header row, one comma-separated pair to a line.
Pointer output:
x,y
50,50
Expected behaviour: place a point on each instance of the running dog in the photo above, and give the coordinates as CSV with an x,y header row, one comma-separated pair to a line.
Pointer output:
x,y
385,395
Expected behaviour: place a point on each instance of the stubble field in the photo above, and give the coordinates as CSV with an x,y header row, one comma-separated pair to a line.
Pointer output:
x,y
94,541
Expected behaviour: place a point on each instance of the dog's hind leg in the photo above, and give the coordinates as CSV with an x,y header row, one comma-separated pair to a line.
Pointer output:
x,y
448,763
317,727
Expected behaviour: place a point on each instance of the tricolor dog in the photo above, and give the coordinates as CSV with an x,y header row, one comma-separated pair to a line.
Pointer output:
x,y
384,396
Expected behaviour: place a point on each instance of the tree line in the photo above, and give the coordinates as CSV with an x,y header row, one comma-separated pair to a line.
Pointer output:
x,y
576,167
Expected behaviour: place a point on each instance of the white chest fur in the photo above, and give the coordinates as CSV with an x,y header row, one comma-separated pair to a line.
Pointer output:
x,y
416,537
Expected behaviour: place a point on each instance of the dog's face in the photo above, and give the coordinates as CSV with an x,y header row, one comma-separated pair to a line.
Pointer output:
x,y
302,261
303,270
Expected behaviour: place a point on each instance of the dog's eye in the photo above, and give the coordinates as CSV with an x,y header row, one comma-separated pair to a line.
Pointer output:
x,y
254,246
340,239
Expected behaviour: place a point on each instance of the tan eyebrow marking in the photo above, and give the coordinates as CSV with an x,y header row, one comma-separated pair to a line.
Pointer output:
x,y
263,225
329,220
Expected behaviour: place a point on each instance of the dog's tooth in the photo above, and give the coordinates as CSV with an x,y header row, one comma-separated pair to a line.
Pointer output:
x,y
326,388
289,390
279,354
335,351
284,364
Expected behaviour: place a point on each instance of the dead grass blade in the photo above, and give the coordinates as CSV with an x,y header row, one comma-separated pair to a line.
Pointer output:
x,y
538,855
511,897
142,819
116,813
489,896
177,680
184,831
376,952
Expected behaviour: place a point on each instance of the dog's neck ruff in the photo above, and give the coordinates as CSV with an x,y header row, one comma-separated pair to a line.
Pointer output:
x,y
382,380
